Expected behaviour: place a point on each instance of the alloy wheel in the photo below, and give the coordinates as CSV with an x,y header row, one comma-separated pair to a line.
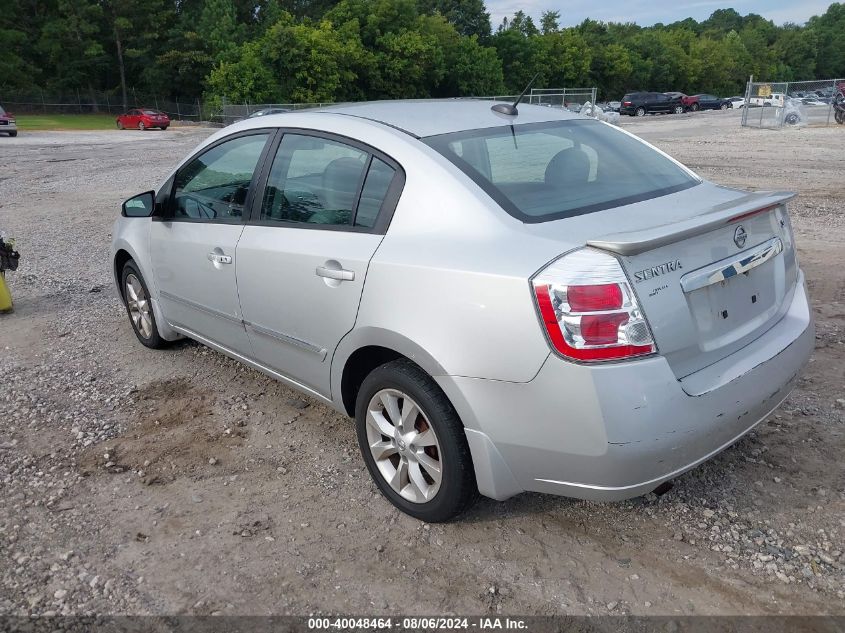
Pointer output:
x,y
139,306
404,446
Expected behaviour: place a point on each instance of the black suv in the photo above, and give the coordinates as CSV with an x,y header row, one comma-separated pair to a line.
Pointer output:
x,y
642,103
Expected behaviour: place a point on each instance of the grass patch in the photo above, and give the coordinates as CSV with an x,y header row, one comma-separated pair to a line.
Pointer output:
x,y
66,121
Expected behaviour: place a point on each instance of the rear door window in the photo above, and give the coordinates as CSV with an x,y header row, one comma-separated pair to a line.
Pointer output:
x,y
322,182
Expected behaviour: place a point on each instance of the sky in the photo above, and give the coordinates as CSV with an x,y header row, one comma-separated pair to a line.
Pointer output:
x,y
648,12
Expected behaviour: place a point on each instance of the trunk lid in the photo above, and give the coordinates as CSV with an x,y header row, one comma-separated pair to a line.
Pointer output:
x,y
712,282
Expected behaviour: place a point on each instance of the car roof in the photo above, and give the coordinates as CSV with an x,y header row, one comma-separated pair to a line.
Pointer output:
x,y
430,117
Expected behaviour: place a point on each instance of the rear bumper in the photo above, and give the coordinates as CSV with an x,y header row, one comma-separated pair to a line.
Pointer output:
x,y
9,127
617,431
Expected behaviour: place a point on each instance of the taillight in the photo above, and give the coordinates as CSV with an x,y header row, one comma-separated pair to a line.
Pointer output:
x,y
626,103
588,308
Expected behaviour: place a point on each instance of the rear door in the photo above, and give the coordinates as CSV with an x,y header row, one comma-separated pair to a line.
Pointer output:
x,y
662,102
192,247
303,257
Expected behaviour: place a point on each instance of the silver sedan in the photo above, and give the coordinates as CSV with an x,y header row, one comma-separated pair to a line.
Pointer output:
x,y
503,300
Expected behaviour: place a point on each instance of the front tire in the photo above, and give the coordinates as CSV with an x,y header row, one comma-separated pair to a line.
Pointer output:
x,y
695,107
136,297
413,443
679,109
141,126
724,106
120,125
640,111
13,134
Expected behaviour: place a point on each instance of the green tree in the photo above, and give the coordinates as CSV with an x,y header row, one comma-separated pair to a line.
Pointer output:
x,y
567,58
70,43
468,67
521,57
469,17
218,28
829,30
549,22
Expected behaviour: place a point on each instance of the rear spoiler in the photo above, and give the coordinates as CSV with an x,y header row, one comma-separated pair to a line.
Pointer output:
x,y
636,242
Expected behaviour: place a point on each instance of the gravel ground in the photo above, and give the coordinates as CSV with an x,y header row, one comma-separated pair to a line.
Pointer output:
x,y
142,482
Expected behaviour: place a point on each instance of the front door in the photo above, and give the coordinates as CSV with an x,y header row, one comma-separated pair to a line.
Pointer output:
x,y
302,262
193,246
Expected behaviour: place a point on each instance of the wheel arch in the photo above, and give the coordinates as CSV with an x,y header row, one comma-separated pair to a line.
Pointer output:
x,y
364,349
121,257
123,253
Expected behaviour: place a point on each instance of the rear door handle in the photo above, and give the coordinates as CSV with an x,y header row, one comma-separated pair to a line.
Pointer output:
x,y
217,258
333,273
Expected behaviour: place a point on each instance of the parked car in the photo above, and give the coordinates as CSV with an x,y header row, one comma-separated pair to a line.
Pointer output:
x,y
8,123
543,303
642,103
267,111
614,105
143,119
776,99
686,100
736,102
710,102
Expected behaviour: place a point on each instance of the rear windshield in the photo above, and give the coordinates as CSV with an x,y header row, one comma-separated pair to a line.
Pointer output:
x,y
546,171
151,112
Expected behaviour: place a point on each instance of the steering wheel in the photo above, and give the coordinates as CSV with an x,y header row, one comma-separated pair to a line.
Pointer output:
x,y
204,210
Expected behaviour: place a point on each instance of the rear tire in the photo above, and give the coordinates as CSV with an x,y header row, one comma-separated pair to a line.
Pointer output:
x,y
13,134
640,111
724,106
141,126
136,298
695,107
163,128
120,125
679,109
398,405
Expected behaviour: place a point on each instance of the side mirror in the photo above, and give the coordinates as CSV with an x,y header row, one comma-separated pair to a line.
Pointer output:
x,y
140,206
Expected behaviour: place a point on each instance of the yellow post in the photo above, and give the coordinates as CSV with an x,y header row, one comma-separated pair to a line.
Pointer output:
x,y
5,296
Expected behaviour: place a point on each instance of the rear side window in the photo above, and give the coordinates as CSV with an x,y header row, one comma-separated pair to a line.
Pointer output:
x,y
546,171
324,182
374,192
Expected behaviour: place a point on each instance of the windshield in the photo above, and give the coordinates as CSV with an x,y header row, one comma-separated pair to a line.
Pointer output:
x,y
545,171
156,112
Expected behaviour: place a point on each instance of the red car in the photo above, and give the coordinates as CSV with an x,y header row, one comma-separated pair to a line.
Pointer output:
x,y
689,103
8,123
143,118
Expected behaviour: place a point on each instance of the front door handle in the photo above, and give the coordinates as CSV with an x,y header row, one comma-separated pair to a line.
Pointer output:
x,y
217,258
334,273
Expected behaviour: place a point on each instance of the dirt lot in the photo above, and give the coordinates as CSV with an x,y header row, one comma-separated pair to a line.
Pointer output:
x,y
134,481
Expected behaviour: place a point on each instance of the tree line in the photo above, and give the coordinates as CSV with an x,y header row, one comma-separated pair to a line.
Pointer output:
x,y
281,51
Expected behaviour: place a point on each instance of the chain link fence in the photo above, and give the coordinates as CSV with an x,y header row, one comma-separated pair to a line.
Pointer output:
x,y
774,105
231,112
78,102
569,98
